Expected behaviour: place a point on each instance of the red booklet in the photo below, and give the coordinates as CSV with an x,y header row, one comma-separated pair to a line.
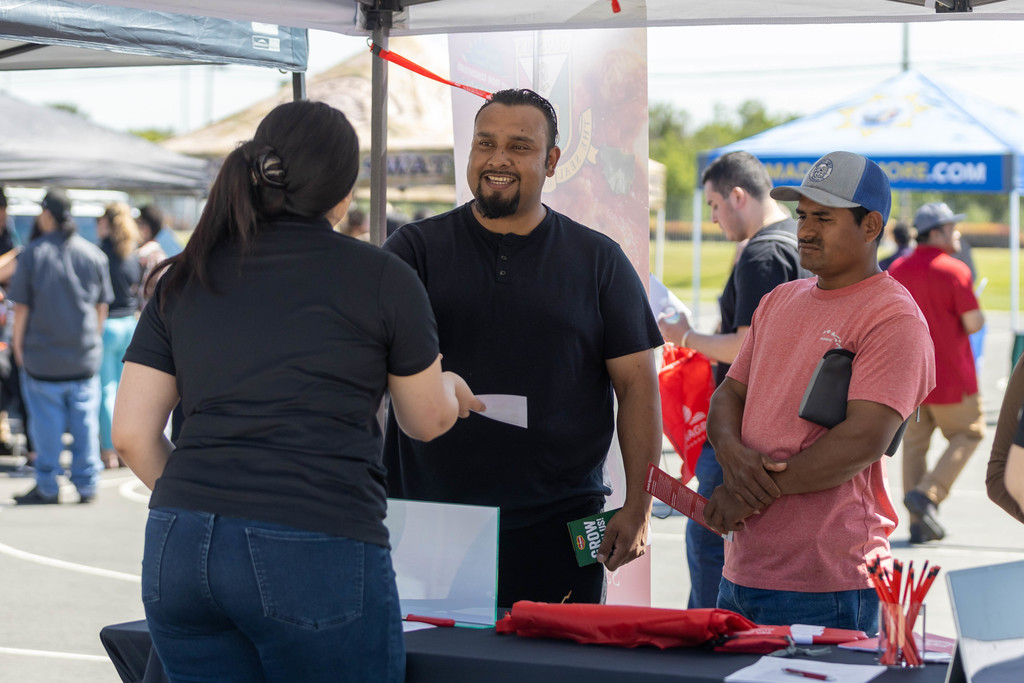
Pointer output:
x,y
665,488
806,634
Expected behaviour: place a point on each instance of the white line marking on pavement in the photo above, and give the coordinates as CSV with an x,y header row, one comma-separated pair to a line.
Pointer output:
x,y
108,482
127,490
53,655
72,566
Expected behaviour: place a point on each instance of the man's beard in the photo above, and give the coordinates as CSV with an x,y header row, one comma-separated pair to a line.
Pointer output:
x,y
494,206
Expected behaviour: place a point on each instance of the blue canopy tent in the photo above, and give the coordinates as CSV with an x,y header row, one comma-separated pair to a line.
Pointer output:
x,y
924,135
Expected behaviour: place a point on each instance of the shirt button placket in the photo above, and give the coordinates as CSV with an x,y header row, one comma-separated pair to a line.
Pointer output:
x,y
503,263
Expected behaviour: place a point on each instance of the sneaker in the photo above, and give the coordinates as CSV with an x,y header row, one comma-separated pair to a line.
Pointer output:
x,y
35,497
919,533
922,506
86,498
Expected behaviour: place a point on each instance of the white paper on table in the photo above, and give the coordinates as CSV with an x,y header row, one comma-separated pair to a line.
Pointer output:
x,y
773,670
662,300
506,408
408,626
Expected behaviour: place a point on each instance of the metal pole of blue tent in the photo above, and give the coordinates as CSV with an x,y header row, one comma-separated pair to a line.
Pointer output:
x,y
697,237
659,245
1018,338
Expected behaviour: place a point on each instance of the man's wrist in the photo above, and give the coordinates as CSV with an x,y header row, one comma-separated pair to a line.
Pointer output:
x,y
685,335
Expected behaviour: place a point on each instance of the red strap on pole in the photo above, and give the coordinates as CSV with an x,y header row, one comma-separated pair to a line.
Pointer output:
x,y
401,61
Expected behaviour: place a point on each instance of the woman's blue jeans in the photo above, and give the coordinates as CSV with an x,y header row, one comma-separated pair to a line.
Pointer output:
x,y
856,609
239,600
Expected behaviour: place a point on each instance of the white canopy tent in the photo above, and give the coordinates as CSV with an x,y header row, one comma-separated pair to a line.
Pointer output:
x,y
382,18
458,16
419,128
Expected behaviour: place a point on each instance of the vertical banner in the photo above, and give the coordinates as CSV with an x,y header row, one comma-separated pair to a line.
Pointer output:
x,y
597,82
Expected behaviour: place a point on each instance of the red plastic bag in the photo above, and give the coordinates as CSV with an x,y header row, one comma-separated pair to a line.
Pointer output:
x,y
686,383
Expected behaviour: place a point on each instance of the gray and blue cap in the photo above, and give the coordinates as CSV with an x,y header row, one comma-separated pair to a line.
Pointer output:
x,y
843,180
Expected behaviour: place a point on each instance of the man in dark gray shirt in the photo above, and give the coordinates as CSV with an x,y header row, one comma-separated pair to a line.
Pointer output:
x,y
61,290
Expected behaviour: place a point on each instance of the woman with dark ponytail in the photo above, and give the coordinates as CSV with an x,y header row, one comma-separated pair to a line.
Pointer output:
x,y
266,556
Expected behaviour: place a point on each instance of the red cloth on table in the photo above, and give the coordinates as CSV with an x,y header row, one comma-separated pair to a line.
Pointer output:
x,y
623,625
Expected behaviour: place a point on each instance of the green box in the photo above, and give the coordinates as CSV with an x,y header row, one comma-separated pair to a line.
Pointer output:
x,y
586,535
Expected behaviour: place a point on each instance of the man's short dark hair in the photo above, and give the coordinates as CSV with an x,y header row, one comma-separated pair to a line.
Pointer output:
x,y
524,96
356,217
901,234
153,217
738,169
859,214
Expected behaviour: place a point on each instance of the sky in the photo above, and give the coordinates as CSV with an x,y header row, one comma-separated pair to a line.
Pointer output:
x,y
791,69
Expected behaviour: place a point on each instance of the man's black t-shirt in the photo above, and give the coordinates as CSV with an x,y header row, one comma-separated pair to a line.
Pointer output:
x,y
281,364
535,316
769,259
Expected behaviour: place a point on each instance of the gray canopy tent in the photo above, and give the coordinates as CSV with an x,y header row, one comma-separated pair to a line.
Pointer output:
x,y
44,146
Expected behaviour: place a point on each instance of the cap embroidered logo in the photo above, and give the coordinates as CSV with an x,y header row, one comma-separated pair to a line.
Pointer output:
x,y
821,171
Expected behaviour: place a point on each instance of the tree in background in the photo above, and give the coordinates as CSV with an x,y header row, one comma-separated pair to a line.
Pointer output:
x,y
68,107
153,134
676,143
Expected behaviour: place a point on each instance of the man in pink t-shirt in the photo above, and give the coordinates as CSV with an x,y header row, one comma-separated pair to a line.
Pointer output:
x,y
941,285
821,496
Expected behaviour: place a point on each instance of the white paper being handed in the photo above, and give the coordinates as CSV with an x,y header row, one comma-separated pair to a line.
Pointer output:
x,y
505,408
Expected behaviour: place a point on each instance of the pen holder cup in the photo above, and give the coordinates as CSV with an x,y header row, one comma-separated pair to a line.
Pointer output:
x,y
901,635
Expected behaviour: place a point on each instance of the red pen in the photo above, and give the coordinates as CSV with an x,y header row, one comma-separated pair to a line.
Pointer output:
x,y
436,621
808,674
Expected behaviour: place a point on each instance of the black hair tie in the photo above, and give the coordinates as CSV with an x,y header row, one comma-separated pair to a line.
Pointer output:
x,y
267,169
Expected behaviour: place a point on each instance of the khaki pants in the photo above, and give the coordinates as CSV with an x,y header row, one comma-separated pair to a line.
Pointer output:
x,y
962,424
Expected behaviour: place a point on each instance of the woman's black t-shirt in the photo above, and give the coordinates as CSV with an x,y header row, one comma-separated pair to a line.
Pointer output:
x,y
281,364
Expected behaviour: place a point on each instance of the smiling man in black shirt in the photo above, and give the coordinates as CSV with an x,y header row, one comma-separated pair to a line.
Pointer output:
x,y
531,303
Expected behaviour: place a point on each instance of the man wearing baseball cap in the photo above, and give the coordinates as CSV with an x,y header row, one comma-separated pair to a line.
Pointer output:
x,y
61,290
821,493
942,287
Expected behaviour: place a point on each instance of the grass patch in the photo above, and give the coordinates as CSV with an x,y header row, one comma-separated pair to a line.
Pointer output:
x,y
717,259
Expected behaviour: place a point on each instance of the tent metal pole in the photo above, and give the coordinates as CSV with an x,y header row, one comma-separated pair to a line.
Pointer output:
x,y
298,86
659,245
698,211
1014,260
378,136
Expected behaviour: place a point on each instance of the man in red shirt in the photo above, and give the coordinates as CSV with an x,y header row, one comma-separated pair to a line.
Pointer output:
x,y
942,287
